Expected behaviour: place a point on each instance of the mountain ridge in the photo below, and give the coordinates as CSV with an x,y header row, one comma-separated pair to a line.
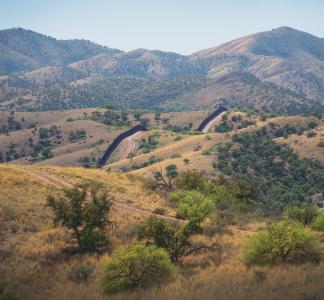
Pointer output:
x,y
286,57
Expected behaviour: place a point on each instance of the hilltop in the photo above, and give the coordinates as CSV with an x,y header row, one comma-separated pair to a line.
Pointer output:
x,y
283,68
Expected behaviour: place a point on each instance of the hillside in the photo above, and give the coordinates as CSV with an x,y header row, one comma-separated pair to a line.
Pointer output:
x,y
37,257
23,50
280,69
284,56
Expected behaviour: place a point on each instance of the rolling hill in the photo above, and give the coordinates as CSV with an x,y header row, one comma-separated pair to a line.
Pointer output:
x,y
281,69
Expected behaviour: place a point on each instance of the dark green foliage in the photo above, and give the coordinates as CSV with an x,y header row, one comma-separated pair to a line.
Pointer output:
x,y
312,124
279,176
149,144
85,213
171,171
190,180
77,135
134,266
224,127
118,118
283,242
162,234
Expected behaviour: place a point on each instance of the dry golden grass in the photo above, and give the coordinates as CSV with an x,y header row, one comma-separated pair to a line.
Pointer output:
x,y
175,152
34,263
307,146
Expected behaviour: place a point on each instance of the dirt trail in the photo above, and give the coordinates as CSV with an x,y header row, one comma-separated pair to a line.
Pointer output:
x,y
213,122
60,183
131,144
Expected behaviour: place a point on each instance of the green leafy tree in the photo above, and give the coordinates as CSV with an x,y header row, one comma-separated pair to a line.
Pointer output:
x,y
190,180
286,241
171,171
85,213
192,204
136,265
176,241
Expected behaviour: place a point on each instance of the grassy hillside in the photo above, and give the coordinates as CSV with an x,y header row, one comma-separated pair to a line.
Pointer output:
x,y
36,261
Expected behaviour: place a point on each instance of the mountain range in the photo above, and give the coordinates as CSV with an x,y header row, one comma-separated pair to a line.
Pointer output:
x,y
280,71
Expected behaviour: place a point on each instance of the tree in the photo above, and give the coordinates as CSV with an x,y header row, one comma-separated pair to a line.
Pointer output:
x,y
136,265
305,214
286,241
85,213
192,204
171,171
165,182
137,115
176,241
190,180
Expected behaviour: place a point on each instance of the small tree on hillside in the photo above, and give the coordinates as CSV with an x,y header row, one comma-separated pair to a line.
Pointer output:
x,y
162,234
304,214
286,241
85,213
165,181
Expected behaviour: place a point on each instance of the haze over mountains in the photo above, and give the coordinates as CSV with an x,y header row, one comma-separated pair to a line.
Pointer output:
x,y
281,71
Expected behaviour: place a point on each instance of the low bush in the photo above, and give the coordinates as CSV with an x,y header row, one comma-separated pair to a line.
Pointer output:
x,y
134,266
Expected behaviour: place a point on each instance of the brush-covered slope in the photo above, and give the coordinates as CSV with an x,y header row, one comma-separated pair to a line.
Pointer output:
x,y
285,56
25,50
76,74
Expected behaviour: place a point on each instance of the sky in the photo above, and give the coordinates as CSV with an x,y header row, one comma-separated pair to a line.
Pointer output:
x,y
182,26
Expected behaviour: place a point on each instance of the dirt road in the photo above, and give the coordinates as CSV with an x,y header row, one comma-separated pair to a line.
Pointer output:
x,y
213,122
63,184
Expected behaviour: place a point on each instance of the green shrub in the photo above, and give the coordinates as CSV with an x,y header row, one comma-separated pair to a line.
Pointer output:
x,y
312,124
134,266
192,204
190,180
285,241
159,211
318,223
303,214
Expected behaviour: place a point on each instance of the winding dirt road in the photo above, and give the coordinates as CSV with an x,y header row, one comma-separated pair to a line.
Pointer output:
x,y
63,184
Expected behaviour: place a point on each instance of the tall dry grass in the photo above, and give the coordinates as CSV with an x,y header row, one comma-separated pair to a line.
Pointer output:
x,y
35,264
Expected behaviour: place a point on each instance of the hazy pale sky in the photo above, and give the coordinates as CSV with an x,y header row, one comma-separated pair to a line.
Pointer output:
x,y
183,26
